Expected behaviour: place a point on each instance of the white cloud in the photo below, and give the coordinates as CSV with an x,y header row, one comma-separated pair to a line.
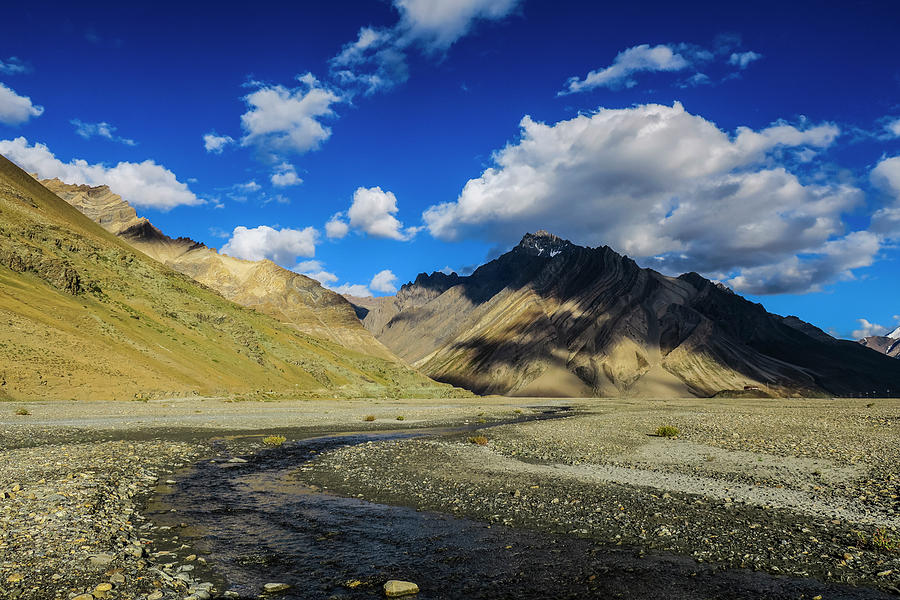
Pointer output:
x,y
633,60
215,144
144,185
285,175
281,246
377,59
102,129
893,128
867,329
656,181
16,109
373,62
250,186
336,228
352,289
13,66
315,270
281,120
886,177
373,212
742,59
384,281
664,57
439,23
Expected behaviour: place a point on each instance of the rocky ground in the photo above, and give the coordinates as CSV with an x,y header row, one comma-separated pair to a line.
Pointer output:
x,y
788,487
75,476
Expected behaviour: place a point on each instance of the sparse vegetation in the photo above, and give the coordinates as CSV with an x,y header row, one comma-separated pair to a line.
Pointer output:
x,y
369,418
667,431
400,417
478,440
23,412
882,539
274,440
518,411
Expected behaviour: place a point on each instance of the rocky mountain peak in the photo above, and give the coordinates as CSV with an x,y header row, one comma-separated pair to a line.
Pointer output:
x,y
542,243
895,334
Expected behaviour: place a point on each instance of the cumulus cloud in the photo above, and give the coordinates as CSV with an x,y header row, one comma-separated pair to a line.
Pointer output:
x,y
373,212
315,270
353,289
285,175
630,61
286,120
281,246
102,129
645,58
867,329
336,227
13,66
742,59
16,109
384,281
215,144
886,177
661,184
144,185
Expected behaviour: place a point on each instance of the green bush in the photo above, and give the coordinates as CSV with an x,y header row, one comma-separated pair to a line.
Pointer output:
x,y
667,431
479,440
369,418
274,440
22,412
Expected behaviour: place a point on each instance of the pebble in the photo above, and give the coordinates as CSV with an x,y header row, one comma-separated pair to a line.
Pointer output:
x,y
272,588
396,588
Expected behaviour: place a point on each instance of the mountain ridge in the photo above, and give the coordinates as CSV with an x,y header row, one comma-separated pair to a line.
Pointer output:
x,y
550,316
87,316
287,296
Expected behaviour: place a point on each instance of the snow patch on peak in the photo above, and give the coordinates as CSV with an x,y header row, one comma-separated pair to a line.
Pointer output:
x,y
895,334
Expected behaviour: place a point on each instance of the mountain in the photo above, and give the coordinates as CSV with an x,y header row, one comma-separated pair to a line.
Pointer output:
x,y
553,318
287,296
883,343
86,316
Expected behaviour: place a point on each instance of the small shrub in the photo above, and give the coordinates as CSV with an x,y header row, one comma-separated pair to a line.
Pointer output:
x,y
667,431
274,440
479,440
400,417
518,411
369,418
882,539
22,412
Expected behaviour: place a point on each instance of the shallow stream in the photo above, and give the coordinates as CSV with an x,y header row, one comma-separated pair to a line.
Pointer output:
x,y
255,523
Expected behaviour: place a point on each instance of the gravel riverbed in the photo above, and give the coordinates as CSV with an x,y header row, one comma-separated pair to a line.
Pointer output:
x,y
790,487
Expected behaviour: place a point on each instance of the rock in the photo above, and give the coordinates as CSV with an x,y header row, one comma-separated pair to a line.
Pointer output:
x,y
102,559
396,588
117,578
102,590
157,595
84,597
15,578
237,461
190,558
885,573
272,588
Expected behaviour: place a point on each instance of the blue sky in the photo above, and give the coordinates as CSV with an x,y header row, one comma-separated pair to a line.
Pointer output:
x,y
365,142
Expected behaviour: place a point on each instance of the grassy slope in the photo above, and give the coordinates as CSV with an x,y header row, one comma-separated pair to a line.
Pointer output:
x,y
83,316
